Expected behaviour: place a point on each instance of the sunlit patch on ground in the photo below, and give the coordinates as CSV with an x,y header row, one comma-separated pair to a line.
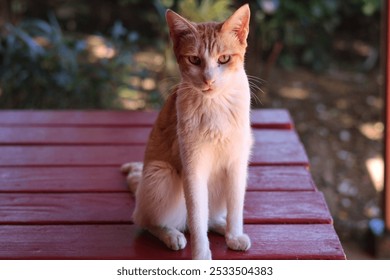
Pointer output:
x,y
375,167
294,93
373,130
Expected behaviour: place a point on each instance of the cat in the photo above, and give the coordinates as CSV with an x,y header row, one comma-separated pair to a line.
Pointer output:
x,y
195,165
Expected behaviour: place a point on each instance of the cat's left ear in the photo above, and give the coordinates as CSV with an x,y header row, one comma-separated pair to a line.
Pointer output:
x,y
178,26
238,23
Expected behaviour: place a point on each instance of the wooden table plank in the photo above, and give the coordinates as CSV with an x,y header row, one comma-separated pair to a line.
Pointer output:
x,y
107,155
317,241
111,135
66,118
280,178
271,118
109,179
62,179
103,208
286,208
34,156
73,135
66,208
264,118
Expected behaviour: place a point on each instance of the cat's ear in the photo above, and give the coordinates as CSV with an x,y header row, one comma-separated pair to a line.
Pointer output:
x,y
178,26
238,23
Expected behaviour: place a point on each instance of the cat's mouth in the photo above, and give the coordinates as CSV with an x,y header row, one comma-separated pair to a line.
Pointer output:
x,y
207,90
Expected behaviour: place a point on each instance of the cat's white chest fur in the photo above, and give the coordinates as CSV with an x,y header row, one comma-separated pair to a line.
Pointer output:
x,y
219,118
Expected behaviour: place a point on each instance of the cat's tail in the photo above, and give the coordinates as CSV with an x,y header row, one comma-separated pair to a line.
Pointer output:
x,y
134,174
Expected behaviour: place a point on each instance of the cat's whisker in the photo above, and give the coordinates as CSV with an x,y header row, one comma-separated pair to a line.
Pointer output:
x,y
167,92
256,96
257,99
256,84
172,84
169,79
255,78
168,84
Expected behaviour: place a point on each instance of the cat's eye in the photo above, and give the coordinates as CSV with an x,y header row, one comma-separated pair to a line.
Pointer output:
x,y
194,60
223,59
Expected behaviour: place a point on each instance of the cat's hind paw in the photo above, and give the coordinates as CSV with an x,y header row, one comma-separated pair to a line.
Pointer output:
x,y
132,167
134,174
239,242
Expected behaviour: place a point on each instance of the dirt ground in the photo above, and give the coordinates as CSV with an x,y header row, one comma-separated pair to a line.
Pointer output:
x,y
338,116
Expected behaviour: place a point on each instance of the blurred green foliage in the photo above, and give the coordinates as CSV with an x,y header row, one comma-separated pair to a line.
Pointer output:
x,y
49,72
206,10
306,29
40,67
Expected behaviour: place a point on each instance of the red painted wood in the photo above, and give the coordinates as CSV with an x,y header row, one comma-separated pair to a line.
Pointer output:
x,y
264,118
62,179
111,135
317,241
102,208
279,178
108,155
109,179
271,118
66,208
286,207
73,135
62,168
70,155
76,118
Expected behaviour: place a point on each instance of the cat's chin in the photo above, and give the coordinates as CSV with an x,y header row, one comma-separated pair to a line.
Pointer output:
x,y
211,93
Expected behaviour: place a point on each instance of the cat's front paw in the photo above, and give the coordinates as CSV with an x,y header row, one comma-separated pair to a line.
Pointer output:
x,y
176,241
239,242
203,254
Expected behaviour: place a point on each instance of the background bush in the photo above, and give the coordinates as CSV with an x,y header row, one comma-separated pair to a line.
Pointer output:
x,y
46,58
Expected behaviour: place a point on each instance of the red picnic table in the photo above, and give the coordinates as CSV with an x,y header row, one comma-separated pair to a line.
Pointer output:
x,y
62,195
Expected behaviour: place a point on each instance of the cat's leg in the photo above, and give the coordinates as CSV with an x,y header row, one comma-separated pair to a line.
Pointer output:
x,y
217,203
236,183
160,205
197,207
196,173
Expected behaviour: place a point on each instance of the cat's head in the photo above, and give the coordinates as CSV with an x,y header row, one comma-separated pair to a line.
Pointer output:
x,y
209,54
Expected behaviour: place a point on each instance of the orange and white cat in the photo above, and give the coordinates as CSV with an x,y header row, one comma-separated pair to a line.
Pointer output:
x,y
195,167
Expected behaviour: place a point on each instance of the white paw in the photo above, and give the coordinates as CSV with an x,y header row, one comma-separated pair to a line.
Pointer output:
x,y
239,242
134,174
176,241
204,254
132,167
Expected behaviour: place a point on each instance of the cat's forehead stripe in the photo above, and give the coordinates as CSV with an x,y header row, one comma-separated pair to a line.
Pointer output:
x,y
209,37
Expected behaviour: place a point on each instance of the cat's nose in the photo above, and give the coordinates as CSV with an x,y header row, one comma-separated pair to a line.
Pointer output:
x,y
208,81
